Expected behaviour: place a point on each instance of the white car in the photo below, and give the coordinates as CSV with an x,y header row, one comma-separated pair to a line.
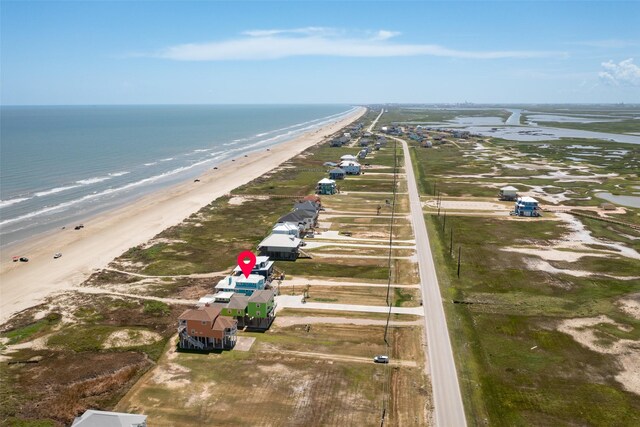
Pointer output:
x,y
381,359
57,255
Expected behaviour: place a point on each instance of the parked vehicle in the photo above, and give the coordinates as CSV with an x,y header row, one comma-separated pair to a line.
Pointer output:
x,y
24,259
381,359
57,255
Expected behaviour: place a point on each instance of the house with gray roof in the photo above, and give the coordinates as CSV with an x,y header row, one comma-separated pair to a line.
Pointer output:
x,y
93,418
280,247
337,173
303,219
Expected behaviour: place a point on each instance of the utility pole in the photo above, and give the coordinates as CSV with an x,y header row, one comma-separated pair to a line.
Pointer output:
x,y
459,253
451,243
444,221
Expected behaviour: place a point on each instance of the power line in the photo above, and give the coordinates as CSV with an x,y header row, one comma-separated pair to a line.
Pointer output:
x,y
387,380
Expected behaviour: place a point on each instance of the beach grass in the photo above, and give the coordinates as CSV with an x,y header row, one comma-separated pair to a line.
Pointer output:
x,y
503,317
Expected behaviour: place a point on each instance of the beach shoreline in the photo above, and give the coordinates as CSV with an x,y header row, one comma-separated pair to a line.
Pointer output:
x,y
109,234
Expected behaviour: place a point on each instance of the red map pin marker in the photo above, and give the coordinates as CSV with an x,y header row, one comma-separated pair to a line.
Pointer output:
x,y
246,262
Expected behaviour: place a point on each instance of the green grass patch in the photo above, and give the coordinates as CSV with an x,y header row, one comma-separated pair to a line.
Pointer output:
x,y
156,308
33,330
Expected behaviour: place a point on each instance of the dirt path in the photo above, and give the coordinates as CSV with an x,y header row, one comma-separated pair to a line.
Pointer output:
x,y
344,358
302,281
295,301
284,321
177,276
335,235
100,291
329,255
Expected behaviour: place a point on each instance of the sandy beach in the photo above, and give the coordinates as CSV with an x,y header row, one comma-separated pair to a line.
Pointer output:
x,y
24,285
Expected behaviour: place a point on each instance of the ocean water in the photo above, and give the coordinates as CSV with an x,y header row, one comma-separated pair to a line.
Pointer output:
x,y
59,165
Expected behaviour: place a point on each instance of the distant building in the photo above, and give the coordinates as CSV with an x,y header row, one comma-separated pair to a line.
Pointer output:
x,y
314,197
280,247
308,206
426,144
508,193
93,418
337,173
286,228
326,186
362,154
348,157
302,219
526,206
350,167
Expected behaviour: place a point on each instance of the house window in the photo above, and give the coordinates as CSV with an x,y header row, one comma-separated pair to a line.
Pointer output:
x,y
204,323
257,305
257,313
193,332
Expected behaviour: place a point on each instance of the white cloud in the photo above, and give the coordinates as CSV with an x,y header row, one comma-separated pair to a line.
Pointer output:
x,y
624,73
606,43
385,35
309,31
322,41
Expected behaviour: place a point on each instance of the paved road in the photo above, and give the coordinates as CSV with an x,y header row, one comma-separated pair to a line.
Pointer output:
x,y
449,411
375,121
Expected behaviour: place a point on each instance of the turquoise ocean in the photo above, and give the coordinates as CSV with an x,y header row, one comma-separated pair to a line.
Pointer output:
x,y
62,164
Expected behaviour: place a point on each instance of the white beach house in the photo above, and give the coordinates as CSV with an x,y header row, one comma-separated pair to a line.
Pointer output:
x,y
286,228
280,246
326,186
508,193
350,167
526,206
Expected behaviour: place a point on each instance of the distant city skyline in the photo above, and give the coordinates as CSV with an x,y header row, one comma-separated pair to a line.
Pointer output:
x,y
59,53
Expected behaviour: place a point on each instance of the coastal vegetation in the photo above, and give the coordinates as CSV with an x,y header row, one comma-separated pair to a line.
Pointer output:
x,y
325,365
519,360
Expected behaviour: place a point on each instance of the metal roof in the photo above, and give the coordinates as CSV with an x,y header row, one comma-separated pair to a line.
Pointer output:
x,y
326,181
281,241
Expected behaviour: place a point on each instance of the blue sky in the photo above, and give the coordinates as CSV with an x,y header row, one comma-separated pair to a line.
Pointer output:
x,y
101,52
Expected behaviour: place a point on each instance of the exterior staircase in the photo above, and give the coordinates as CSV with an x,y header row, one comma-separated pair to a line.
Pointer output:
x,y
182,331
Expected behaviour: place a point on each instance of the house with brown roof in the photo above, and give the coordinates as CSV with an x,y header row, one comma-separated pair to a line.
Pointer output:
x,y
204,328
